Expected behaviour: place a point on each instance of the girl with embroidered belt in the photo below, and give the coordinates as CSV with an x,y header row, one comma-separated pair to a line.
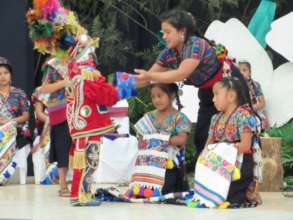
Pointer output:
x,y
167,120
236,123
59,132
193,59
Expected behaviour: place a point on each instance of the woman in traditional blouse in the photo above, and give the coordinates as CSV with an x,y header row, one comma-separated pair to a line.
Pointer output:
x,y
192,59
14,104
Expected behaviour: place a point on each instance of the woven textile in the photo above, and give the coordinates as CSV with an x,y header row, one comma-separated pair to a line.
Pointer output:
x,y
7,145
213,173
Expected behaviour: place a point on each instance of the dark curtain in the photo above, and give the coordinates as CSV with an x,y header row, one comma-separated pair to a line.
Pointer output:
x,y
15,43
16,46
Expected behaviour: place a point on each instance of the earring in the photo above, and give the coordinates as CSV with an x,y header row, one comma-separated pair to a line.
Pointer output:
x,y
182,37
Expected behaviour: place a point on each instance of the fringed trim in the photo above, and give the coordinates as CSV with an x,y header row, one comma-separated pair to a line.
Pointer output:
x,y
93,132
70,164
78,160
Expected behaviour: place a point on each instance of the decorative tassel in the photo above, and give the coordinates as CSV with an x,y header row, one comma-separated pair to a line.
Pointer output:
x,y
79,160
130,192
169,164
70,163
224,205
236,174
90,74
141,192
191,204
157,193
148,192
221,52
136,190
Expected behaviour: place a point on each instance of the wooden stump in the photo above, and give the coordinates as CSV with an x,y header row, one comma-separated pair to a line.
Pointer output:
x,y
272,165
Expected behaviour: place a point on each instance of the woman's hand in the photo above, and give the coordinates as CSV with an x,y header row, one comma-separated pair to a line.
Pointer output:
x,y
142,74
142,78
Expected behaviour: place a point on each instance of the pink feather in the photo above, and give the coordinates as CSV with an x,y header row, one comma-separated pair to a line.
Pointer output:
x,y
50,7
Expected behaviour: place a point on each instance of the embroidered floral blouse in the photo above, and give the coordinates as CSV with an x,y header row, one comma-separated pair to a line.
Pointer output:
x,y
173,124
229,130
16,103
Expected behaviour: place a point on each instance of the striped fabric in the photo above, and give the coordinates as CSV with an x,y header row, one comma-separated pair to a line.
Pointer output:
x,y
8,172
118,112
7,149
148,176
145,126
57,112
213,174
209,195
149,172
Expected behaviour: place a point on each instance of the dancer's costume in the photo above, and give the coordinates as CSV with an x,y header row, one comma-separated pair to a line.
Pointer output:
x,y
55,31
87,120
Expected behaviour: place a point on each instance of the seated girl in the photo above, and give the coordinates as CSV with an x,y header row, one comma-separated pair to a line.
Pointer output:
x,y
166,120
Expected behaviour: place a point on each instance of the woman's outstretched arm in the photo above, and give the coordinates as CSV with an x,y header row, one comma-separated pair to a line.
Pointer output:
x,y
186,67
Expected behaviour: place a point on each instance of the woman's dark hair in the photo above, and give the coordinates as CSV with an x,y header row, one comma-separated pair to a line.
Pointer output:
x,y
169,89
5,63
245,63
180,19
234,84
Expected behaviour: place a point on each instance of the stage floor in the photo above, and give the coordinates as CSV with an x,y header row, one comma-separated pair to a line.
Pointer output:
x,y
39,202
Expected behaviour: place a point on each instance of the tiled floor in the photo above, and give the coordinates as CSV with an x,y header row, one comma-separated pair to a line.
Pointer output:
x,y
40,202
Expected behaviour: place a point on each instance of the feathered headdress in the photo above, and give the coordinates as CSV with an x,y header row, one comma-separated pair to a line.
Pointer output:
x,y
56,30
